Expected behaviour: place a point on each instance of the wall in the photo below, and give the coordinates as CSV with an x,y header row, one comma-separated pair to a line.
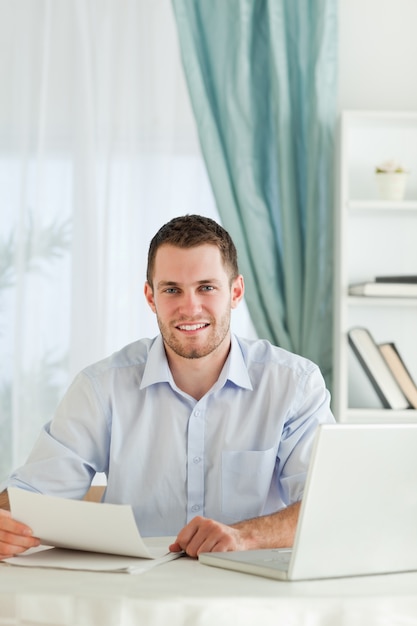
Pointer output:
x,y
378,54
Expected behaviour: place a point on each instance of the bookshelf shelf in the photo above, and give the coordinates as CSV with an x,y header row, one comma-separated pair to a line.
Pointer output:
x,y
373,237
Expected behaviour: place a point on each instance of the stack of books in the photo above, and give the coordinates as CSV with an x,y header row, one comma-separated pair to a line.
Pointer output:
x,y
402,286
385,369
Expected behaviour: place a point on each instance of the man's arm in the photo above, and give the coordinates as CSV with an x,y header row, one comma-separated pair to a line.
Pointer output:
x,y
4,501
269,531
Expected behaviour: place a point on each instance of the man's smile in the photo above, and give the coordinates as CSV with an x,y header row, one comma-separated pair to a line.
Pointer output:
x,y
192,327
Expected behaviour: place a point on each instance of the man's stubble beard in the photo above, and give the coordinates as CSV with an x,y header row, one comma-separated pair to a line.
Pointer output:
x,y
187,351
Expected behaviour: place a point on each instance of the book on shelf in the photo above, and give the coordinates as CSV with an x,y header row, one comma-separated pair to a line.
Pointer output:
x,y
400,372
376,368
399,278
384,289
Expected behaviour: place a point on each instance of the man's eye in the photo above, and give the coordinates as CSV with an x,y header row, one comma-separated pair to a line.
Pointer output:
x,y
207,288
171,290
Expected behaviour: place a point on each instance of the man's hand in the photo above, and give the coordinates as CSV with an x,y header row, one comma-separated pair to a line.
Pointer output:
x,y
269,531
206,535
14,536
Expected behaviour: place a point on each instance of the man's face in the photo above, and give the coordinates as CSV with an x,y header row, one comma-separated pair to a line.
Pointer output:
x,y
192,298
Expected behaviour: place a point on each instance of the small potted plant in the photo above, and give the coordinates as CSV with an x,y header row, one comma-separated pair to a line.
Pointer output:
x,y
391,180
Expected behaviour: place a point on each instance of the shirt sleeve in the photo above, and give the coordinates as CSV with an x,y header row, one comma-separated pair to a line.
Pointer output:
x,y
311,408
71,448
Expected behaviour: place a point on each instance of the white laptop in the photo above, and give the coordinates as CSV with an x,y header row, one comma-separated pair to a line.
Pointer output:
x,y
359,511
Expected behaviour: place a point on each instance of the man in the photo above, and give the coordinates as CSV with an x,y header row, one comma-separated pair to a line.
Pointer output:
x,y
208,436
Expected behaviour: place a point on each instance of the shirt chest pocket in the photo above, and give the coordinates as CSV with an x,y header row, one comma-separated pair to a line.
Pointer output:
x,y
246,479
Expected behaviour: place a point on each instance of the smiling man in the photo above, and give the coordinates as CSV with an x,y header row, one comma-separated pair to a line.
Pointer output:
x,y
192,292
208,436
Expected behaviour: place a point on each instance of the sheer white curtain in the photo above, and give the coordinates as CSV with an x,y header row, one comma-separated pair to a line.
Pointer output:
x,y
98,148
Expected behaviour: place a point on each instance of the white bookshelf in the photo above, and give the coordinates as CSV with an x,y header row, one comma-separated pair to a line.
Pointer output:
x,y
373,237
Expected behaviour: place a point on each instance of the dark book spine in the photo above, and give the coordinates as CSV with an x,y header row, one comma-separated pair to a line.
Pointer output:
x,y
412,279
371,377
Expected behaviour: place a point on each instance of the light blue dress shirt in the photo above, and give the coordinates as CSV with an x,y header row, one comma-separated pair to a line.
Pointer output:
x,y
239,452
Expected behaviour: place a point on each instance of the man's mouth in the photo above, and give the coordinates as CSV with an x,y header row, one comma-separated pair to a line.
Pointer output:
x,y
192,327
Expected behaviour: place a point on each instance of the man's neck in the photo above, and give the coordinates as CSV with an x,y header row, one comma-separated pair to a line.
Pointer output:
x,y
197,376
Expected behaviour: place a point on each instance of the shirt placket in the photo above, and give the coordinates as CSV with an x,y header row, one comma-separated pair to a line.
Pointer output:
x,y
195,462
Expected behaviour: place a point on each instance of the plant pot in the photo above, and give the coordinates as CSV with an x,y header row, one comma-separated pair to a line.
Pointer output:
x,y
391,185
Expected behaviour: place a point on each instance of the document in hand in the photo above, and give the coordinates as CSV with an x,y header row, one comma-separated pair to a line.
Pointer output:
x,y
88,527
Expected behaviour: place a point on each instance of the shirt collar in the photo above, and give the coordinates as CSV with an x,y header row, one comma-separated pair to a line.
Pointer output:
x,y
157,369
235,369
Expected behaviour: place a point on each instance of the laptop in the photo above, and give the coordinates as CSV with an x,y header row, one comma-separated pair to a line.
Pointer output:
x,y
359,511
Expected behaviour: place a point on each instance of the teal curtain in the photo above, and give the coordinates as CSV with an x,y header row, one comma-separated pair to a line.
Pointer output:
x,y
262,80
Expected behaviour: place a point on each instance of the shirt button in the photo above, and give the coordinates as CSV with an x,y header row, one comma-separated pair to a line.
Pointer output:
x,y
197,413
195,508
196,459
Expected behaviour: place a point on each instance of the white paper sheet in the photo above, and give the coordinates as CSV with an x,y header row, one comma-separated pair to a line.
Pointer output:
x,y
60,558
85,528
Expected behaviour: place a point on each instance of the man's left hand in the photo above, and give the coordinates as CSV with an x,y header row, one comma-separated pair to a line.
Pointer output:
x,y
202,534
207,535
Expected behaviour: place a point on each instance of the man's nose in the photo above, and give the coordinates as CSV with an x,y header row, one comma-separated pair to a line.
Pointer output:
x,y
190,304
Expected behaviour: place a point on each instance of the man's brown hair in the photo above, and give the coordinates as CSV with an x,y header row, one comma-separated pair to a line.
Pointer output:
x,y
189,231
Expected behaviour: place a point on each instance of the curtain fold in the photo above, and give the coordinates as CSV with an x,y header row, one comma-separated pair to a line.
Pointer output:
x,y
262,77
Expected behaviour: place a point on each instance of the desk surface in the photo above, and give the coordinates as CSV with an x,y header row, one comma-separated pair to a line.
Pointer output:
x,y
186,592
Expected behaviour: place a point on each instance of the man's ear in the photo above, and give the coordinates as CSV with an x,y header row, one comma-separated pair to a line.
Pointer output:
x,y
148,291
238,291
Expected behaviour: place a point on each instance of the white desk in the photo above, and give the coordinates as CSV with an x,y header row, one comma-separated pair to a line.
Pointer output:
x,y
185,592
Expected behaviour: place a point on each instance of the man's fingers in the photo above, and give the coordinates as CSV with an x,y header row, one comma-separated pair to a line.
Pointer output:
x,y
9,524
204,535
15,537
175,547
186,535
11,544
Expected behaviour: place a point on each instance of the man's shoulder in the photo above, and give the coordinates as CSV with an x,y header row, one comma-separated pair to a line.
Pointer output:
x,y
262,351
134,354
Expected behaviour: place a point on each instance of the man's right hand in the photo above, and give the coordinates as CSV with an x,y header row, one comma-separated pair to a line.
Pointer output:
x,y
15,537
